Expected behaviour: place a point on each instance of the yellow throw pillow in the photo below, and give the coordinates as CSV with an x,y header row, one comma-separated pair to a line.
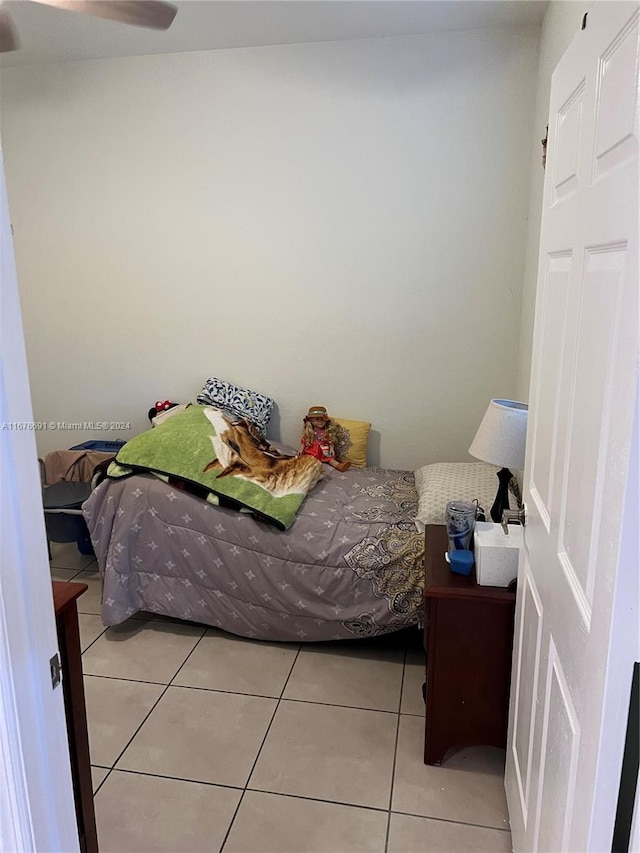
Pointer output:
x,y
359,436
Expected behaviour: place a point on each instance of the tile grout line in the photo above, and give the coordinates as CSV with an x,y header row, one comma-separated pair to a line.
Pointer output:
x,y
197,643
256,695
128,743
74,578
302,797
166,687
72,569
266,734
457,822
395,753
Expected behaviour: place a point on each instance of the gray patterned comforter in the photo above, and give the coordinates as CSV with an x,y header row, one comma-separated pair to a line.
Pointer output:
x,y
351,565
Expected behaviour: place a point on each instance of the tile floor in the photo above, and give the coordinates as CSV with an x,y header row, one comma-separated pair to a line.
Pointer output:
x,y
201,741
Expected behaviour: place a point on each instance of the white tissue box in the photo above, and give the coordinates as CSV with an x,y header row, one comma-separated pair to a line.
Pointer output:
x,y
496,553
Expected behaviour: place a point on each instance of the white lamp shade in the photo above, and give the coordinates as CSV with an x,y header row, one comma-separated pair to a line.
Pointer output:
x,y
501,436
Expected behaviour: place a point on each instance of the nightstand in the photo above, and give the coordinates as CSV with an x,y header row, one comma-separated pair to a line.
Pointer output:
x,y
468,639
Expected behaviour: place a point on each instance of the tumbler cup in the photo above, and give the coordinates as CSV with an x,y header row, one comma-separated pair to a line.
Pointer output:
x,y
460,519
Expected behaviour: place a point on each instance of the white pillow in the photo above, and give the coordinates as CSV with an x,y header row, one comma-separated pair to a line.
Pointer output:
x,y
442,482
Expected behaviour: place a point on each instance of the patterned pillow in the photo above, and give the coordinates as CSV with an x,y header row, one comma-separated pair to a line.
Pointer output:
x,y
353,437
442,482
238,401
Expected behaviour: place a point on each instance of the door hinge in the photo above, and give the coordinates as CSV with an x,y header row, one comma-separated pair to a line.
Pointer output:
x,y
55,669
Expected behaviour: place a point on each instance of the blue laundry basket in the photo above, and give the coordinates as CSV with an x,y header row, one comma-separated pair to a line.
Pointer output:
x,y
101,446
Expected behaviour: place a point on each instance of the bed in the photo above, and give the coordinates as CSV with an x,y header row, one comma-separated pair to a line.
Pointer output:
x,y
189,525
351,565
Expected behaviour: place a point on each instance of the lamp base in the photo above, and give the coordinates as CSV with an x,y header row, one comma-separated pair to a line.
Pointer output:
x,y
501,502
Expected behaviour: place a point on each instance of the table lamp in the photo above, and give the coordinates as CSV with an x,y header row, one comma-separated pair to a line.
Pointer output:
x,y
500,440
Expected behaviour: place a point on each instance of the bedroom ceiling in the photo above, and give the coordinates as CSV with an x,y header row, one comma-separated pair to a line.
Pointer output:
x,y
52,35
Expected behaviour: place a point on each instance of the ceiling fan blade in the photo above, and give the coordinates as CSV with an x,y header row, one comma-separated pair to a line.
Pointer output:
x,y
141,13
8,37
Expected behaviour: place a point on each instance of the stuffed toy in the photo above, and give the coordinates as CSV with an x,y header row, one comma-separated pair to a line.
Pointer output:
x,y
319,438
160,406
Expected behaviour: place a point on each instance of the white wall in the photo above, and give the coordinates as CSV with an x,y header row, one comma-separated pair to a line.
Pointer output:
x,y
339,223
562,21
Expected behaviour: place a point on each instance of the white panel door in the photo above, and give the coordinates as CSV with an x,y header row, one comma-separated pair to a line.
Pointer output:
x,y
37,810
583,395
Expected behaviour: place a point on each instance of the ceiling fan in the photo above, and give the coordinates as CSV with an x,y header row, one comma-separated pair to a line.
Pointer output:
x,y
153,14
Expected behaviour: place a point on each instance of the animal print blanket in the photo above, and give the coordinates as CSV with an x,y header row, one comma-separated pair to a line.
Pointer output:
x,y
224,460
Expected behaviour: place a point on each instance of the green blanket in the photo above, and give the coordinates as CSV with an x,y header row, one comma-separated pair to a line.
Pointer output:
x,y
225,457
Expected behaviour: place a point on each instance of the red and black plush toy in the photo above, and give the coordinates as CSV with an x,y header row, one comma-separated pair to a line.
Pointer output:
x,y
161,406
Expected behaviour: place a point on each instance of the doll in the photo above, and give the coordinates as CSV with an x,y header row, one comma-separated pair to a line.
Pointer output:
x,y
319,438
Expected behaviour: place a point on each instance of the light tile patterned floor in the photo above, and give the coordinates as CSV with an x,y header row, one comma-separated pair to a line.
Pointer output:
x,y
201,741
